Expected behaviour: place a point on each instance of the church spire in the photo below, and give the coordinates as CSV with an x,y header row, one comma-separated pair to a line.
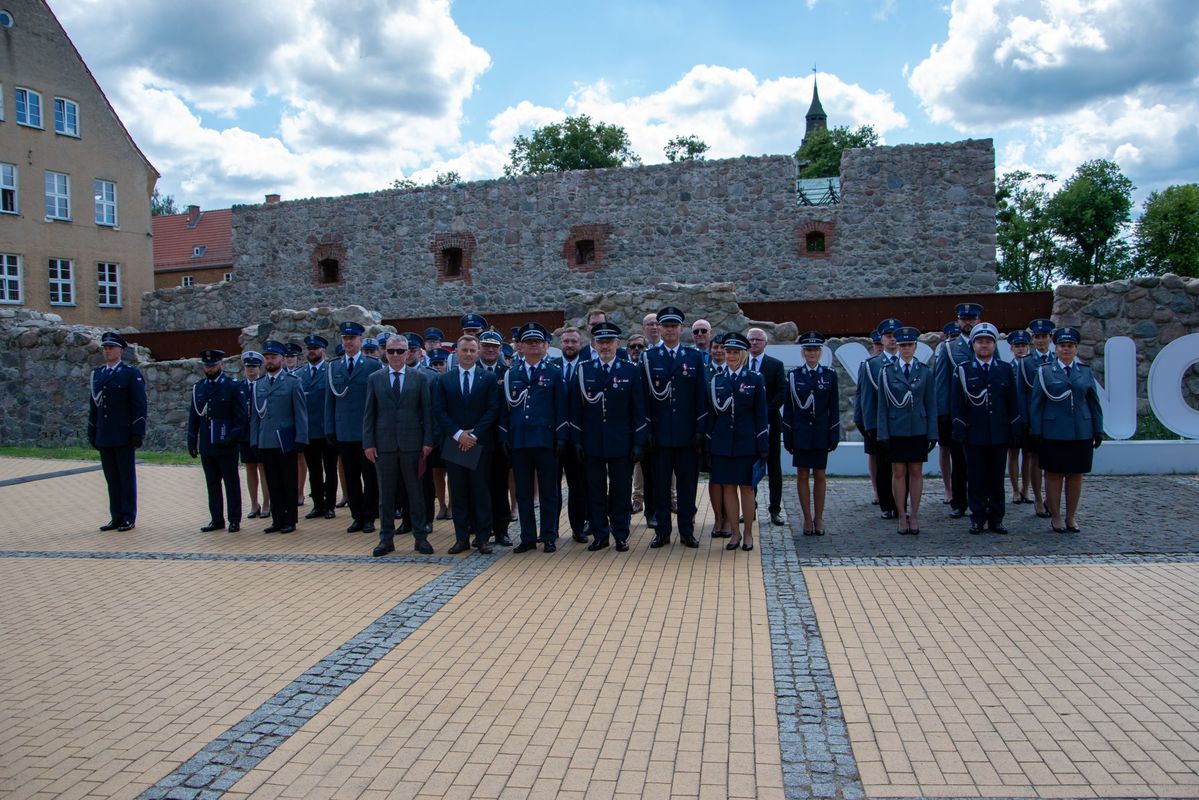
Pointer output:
x,y
816,119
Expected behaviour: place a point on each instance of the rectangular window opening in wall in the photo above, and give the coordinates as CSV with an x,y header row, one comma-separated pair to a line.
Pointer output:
x,y
58,196
188,280
62,282
814,242
330,269
452,258
199,250
8,189
29,108
66,116
228,277
10,278
585,252
108,284
106,203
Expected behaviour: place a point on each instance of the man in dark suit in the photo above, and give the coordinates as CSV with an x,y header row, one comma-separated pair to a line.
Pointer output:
x,y
116,426
278,426
216,420
570,466
397,432
466,408
775,376
345,401
320,454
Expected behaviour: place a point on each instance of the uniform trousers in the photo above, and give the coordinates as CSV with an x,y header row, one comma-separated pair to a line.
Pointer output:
x,y
543,462
882,475
986,467
573,468
362,485
321,458
609,496
470,499
774,461
501,512
681,464
119,474
280,471
958,497
221,470
395,473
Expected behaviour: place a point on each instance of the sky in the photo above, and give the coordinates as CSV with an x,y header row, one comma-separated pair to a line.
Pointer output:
x,y
233,100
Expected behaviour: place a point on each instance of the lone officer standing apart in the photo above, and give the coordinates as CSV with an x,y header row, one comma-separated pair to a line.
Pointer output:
x,y
610,430
116,426
278,424
320,455
345,403
216,421
533,425
675,383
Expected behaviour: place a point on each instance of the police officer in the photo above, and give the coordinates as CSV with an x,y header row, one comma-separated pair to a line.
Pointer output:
x,y
116,426
570,465
876,348
345,403
811,427
216,420
291,357
472,325
957,351
986,419
949,331
866,413
278,428
251,362
491,360
1041,331
609,428
320,455
1017,472
533,423
907,426
674,386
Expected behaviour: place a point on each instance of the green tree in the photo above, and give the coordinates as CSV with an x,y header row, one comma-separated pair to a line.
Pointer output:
x,y
450,178
686,148
820,155
575,143
161,205
1028,254
1089,215
1168,231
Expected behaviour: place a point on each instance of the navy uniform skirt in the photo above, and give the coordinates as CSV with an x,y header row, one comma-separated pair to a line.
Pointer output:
x,y
907,449
1071,457
733,470
810,459
249,454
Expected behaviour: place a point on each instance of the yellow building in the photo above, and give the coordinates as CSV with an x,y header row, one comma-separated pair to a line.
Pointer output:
x,y
75,236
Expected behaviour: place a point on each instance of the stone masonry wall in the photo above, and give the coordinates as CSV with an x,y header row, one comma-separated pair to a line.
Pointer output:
x,y
919,217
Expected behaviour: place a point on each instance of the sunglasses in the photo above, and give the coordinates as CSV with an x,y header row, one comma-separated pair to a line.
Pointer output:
x,y
396,352
636,347
701,330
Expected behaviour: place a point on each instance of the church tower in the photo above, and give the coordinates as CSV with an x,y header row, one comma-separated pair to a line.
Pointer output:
x,y
816,119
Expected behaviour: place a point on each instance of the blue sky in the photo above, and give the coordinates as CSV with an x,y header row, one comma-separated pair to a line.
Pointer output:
x,y
232,100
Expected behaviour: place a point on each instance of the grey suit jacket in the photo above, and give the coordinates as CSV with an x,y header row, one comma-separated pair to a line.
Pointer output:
x,y
277,406
405,425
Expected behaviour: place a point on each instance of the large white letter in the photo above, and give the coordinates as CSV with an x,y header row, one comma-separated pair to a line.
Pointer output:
x,y
851,355
1165,386
1119,399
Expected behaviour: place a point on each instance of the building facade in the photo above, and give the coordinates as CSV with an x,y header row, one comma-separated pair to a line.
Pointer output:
x,y
75,189
194,248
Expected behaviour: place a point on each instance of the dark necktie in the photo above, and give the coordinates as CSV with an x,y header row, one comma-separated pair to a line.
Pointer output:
x,y
670,358
465,383
607,370
1068,368
754,365
570,372
986,369
907,372
349,366
272,380
396,385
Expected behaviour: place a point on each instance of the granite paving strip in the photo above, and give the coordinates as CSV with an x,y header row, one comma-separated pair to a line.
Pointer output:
x,y
268,558
14,467
41,476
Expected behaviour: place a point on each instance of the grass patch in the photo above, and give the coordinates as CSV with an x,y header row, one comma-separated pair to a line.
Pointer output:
x,y
88,454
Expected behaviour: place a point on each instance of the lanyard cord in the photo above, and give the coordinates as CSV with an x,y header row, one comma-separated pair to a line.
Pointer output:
x,y
1055,398
201,412
975,399
343,392
649,381
805,404
907,398
520,398
727,405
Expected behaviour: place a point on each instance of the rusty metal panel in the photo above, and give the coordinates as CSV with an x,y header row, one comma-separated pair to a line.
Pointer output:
x,y
171,345
501,322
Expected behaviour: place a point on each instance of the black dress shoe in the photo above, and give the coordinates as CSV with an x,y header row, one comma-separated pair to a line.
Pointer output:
x,y
777,519
314,513
890,515
913,531
330,514
405,528
503,541
342,504
998,527
581,538
254,515
458,547
485,548
689,540
660,541
550,547
651,522
598,544
288,529
747,546
1073,528
272,529
424,548
368,527
957,513
733,545
110,526
524,547
808,532
977,527
383,550
212,526
722,534
355,527
818,532
124,526
1056,529
622,547
234,527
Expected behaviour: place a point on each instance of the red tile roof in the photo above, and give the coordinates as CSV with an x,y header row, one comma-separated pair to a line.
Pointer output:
x,y
174,241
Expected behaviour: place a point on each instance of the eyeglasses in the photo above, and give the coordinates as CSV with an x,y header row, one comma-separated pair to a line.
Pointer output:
x,y
393,352
701,330
757,339
636,347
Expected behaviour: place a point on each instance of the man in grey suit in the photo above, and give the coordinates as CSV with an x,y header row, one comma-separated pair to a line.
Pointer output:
x,y
346,380
278,428
397,432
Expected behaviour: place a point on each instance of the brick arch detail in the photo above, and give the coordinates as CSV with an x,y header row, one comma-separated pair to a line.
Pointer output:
x,y
597,233
326,250
828,228
464,241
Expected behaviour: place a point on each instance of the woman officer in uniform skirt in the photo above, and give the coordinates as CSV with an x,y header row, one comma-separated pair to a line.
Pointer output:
x,y
722,524
811,427
1066,423
907,425
738,434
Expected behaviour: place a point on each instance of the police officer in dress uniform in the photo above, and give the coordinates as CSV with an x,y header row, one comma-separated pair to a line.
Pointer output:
x,y
949,332
116,426
869,375
472,325
811,426
291,357
278,428
251,362
876,347
674,387
1018,471
609,429
216,421
907,426
986,419
491,360
345,403
320,454
534,426
1041,331
957,351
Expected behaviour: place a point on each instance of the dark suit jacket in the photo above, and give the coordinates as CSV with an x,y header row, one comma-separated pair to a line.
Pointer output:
x,y
117,411
406,424
775,376
480,412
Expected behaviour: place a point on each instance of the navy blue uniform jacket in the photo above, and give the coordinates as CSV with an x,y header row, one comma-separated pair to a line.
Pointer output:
x,y
607,412
117,410
984,407
218,417
742,429
533,413
817,427
674,396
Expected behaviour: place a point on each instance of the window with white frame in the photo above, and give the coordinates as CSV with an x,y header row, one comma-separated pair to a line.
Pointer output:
x,y
228,276
10,278
106,202
29,108
58,195
62,282
108,284
188,280
8,189
66,116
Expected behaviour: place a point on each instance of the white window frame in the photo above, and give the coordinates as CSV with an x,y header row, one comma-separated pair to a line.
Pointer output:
x,y
10,181
65,287
187,281
108,284
103,204
61,199
228,276
23,95
13,261
64,103
199,250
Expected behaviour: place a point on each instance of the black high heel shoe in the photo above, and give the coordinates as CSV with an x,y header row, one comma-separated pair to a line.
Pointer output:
x,y
1073,528
733,545
747,545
